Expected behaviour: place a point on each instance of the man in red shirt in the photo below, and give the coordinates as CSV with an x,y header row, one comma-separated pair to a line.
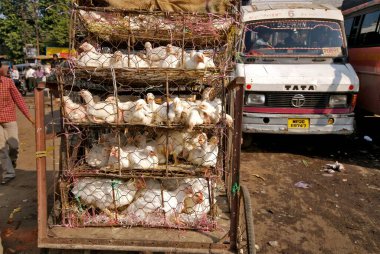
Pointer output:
x,y
10,97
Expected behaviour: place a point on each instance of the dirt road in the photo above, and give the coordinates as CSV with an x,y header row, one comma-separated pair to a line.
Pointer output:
x,y
339,213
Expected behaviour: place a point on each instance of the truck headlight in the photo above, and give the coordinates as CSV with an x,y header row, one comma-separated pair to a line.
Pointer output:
x,y
338,100
255,99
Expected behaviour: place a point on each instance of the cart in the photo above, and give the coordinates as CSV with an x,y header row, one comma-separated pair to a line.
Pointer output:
x,y
171,199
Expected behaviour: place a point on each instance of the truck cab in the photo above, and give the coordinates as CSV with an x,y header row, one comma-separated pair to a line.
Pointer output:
x,y
293,57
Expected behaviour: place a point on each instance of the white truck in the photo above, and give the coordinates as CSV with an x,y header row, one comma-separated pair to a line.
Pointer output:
x,y
293,57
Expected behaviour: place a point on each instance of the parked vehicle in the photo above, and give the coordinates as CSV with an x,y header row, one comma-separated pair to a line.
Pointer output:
x,y
363,36
297,78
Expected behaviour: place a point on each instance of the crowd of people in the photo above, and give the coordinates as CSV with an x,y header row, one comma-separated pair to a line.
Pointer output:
x,y
29,77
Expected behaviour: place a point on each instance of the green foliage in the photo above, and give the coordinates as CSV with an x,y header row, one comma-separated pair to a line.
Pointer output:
x,y
21,21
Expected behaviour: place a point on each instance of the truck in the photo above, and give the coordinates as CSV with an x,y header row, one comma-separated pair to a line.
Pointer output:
x,y
293,57
363,38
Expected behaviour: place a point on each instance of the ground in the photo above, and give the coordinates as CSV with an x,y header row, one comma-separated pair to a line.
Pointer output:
x,y
338,213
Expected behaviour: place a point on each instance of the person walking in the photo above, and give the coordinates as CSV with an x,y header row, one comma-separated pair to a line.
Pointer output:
x,y
15,75
55,63
30,78
10,97
39,74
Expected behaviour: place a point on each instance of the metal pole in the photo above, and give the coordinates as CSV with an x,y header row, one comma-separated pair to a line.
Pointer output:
x,y
238,117
41,161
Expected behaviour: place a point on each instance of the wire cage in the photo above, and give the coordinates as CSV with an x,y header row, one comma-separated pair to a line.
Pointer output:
x,y
120,39
146,137
140,131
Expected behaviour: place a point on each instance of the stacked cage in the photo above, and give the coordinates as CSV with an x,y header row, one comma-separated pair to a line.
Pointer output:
x,y
145,128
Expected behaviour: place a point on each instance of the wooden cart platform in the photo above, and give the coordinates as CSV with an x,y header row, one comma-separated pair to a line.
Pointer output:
x,y
144,239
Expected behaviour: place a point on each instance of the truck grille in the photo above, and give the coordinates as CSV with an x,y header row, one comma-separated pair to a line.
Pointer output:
x,y
312,100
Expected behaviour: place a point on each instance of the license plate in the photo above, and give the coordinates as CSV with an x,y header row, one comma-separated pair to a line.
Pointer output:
x,y
298,123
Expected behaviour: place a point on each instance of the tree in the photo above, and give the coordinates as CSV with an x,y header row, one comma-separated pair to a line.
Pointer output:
x,y
54,22
42,22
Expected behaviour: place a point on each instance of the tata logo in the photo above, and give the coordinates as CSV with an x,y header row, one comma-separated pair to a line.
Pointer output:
x,y
300,88
298,100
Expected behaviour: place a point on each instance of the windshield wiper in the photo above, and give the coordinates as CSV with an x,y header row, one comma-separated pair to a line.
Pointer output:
x,y
268,60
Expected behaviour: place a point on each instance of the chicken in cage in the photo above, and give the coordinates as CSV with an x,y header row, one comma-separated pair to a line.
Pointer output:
x,y
159,57
148,151
146,111
118,25
138,201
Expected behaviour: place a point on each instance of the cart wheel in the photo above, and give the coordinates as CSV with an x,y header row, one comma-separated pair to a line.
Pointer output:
x,y
245,233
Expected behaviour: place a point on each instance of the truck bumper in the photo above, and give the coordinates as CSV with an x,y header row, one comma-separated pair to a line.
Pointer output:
x,y
278,124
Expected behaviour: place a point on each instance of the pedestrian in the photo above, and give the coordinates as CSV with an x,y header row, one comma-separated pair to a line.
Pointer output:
x,y
10,97
39,74
15,75
30,78
55,62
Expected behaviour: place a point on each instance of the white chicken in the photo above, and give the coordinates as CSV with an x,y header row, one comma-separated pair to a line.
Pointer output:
x,y
139,113
171,61
194,61
229,121
92,58
126,108
207,95
171,58
100,112
91,17
143,158
188,105
203,206
198,61
192,141
205,152
194,118
153,58
150,201
210,114
209,62
171,115
98,155
74,111
116,60
118,158
180,193
174,146
197,154
211,153
135,61
150,100
193,203
99,192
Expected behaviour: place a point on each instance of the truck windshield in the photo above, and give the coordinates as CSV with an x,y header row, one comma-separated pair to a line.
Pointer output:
x,y
299,38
